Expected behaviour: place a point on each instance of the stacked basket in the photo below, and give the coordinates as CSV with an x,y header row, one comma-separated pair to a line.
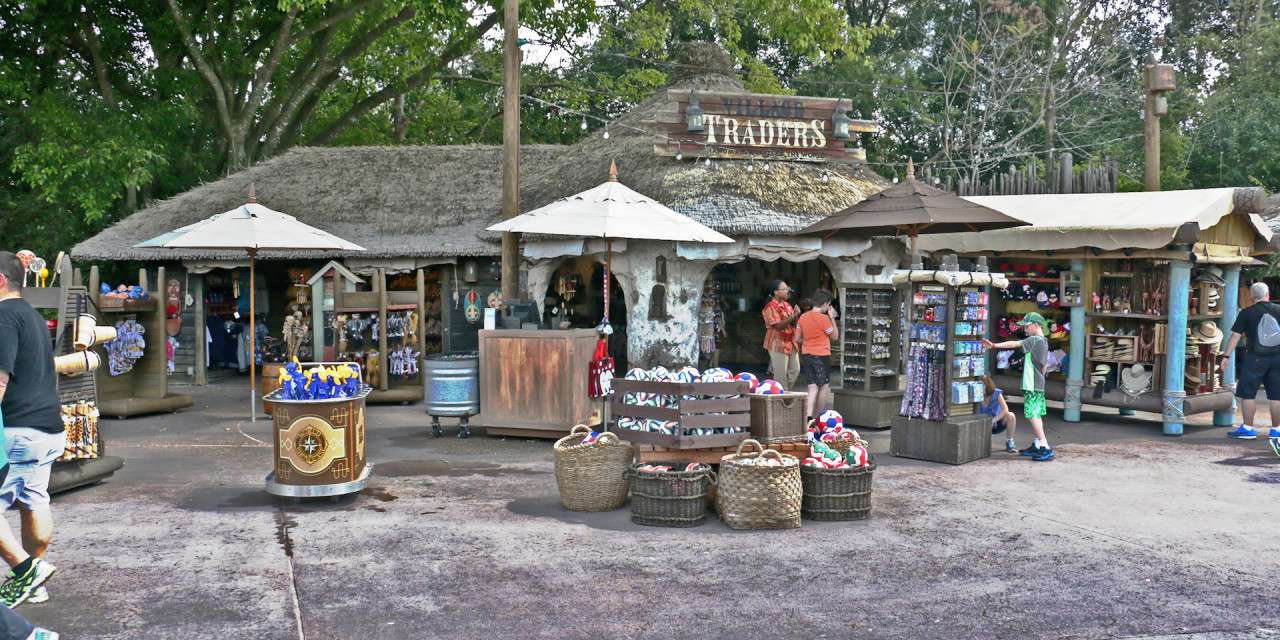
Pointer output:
x,y
669,498
592,477
754,492
837,494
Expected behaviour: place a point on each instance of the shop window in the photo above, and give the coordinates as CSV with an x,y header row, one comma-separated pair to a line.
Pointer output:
x,y
658,302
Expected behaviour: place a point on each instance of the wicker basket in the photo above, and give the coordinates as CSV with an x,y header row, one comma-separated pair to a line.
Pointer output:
x,y
669,498
592,477
752,497
778,418
837,494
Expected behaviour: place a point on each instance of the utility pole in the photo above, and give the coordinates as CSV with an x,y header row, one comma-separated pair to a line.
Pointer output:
x,y
1157,79
510,147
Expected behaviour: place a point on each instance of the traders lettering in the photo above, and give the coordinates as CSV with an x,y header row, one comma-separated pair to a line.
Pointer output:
x,y
723,130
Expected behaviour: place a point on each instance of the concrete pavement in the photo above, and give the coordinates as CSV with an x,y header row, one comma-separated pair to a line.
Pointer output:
x,y
1128,534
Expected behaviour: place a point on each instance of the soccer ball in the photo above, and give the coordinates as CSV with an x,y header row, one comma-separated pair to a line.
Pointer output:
x,y
717,375
830,420
750,379
770,388
689,374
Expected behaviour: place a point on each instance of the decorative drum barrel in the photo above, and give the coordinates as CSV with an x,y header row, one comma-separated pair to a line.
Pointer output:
x,y
319,446
452,388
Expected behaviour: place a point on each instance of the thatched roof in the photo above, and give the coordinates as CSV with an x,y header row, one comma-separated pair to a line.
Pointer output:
x,y
1271,211
776,198
394,201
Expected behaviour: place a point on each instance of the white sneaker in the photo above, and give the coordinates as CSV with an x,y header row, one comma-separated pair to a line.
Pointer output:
x,y
40,594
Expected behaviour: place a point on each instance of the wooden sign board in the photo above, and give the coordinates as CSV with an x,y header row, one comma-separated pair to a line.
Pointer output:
x,y
753,125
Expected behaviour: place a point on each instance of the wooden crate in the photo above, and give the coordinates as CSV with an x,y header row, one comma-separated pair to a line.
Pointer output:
x,y
707,409
867,409
956,440
711,455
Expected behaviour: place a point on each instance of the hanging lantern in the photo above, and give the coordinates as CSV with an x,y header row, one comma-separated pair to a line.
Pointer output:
x,y
840,121
693,114
470,272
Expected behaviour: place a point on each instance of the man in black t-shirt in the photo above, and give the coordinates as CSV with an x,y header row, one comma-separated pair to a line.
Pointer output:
x,y
33,433
1260,366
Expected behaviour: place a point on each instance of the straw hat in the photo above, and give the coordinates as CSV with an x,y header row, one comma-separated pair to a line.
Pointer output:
x,y
1206,332
1135,379
1099,375
1211,274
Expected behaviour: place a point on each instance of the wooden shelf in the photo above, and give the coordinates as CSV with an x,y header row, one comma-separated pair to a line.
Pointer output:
x,y
129,306
1148,316
1012,278
1127,274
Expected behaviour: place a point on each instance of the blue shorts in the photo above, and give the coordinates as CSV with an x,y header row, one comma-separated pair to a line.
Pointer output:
x,y
31,456
1258,370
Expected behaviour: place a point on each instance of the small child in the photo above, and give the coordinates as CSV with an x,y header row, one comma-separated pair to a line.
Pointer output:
x,y
1001,417
1034,367
816,329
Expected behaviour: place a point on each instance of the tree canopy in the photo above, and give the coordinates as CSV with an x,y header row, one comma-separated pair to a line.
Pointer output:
x,y
105,106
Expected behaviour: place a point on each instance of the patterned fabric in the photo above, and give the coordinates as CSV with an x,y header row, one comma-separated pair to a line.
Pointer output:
x,y
780,340
1033,404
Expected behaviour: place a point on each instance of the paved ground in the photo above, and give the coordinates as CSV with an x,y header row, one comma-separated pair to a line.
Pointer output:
x,y
1127,534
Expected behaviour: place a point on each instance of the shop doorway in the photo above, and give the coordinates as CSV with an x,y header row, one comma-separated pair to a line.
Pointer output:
x,y
575,295
736,294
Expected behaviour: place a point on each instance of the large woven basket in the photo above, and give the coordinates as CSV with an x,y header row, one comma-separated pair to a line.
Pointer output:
x,y
592,477
779,418
837,494
758,497
675,498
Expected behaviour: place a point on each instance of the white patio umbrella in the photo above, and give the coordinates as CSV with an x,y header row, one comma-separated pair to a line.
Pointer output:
x,y
611,210
251,227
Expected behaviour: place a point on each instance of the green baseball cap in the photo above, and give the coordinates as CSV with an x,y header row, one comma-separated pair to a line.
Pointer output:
x,y
1036,318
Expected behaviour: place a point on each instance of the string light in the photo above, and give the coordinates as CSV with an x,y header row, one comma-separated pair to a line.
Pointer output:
x,y
824,176
707,162
679,155
606,133
584,123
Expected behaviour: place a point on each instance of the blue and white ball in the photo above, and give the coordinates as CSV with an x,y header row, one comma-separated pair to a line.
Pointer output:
x,y
830,420
719,374
752,381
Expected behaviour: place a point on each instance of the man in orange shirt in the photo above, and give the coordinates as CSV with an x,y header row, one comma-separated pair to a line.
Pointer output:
x,y
780,334
817,329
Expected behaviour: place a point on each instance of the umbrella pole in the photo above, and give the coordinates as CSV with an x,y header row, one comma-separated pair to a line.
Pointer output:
x,y
253,347
608,267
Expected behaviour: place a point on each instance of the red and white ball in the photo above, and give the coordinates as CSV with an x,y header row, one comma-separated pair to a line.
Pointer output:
x,y
830,419
770,388
752,381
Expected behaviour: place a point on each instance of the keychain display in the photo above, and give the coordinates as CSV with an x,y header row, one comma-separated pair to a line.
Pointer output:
x,y
81,422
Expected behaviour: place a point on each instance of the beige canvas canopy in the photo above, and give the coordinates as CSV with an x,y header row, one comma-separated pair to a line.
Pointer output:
x,y
1107,221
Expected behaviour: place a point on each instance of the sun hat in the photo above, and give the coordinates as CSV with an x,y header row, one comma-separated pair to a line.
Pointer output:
x,y
1207,332
1135,379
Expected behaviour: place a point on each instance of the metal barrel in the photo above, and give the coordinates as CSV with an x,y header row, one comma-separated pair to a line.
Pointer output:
x,y
452,384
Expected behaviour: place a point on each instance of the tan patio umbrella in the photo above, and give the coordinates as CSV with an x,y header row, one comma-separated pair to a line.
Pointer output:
x,y
910,208
251,227
611,210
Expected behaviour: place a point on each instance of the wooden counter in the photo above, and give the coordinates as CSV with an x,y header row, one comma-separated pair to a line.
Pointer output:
x,y
534,383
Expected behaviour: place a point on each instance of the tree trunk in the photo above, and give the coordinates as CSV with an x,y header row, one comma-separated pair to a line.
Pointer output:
x,y
399,123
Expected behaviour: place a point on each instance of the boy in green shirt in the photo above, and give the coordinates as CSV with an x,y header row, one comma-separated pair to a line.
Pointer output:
x,y
1034,366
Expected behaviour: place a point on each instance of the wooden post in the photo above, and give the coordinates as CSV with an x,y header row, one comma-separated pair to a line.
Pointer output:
x,y
1156,80
1176,347
510,147
202,346
383,370
1230,308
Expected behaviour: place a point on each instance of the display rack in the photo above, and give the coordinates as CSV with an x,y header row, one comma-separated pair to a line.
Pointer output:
x,y
870,392
84,462
144,388
947,316
371,346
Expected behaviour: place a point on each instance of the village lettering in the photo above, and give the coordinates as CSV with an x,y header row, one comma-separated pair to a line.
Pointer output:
x,y
763,108
792,134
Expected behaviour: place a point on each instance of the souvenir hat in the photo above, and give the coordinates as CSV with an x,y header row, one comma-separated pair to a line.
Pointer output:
x,y
1100,372
1210,274
1207,332
1036,318
1135,379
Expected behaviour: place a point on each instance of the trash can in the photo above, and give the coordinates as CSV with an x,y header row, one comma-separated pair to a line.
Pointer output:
x,y
452,388
319,446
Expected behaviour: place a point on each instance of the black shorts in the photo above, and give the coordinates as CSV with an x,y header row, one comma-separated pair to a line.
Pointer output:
x,y
1258,370
816,369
